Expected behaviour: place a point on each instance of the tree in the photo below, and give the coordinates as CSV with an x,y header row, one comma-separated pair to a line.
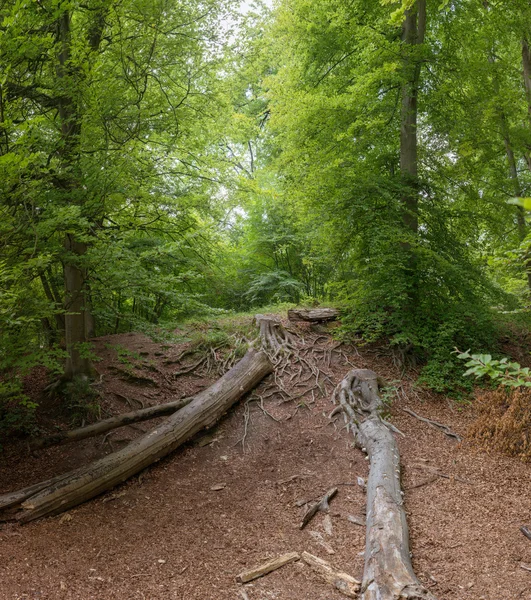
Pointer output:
x,y
104,111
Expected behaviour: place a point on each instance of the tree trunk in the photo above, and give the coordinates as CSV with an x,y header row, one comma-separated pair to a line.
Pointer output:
x,y
87,482
313,314
388,573
413,35
76,316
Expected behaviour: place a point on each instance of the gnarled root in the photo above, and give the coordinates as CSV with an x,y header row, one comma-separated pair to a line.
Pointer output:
x,y
275,340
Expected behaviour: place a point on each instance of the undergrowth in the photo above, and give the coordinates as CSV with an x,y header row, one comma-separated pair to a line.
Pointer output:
x,y
504,421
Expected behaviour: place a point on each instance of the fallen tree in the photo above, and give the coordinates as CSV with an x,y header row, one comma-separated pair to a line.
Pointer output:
x,y
65,491
105,425
388,573
313,314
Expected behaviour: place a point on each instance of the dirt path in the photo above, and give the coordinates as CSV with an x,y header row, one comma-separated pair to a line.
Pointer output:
x,y
168,535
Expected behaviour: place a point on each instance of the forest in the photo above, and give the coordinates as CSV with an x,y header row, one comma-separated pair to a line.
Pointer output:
x,y
265,261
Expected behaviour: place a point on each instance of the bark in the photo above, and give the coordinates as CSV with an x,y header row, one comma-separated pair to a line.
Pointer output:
x,y
134,416
76,317
313,314
388,573
413,35
87,482
275,340
526,65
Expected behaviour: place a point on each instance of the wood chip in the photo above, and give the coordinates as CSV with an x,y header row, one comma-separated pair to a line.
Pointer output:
x,y
343,582
218,487
356,520
267,567
327,525
320,540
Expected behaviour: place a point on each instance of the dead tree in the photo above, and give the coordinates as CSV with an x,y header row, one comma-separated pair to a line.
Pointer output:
x,y
65,491
313,314
388,573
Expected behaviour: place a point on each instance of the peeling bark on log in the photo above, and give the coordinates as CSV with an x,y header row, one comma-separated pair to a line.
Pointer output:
x,y
313,314
388,573
134,416
85,483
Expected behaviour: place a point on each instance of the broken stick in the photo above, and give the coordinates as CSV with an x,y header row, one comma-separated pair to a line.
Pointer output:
x,y
322,505
267,567
439,426
526,531
343,582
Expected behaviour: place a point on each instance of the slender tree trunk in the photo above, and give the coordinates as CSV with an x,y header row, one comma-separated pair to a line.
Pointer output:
x,y
413,34
76,317
79,324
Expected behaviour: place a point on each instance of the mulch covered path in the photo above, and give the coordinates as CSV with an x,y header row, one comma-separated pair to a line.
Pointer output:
x,y
187,526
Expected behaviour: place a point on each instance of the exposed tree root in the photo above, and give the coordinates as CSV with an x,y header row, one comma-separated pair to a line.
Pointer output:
x,y
276,341
388,573
439,426
60,494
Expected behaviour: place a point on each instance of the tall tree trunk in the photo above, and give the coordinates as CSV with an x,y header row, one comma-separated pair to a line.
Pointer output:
x,y
76,319
526,69
79,324
413,34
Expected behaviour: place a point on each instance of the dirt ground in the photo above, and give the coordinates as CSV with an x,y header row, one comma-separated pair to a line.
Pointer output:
x,y
187,526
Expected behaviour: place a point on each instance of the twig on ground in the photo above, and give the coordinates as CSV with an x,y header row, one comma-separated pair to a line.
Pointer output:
x,y
526,531
246,418
439,426
439,473
268,567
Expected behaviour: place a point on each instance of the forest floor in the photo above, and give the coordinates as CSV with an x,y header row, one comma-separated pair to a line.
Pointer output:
x,y
188,525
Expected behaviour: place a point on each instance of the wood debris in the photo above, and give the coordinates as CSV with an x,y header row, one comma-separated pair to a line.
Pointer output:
x,y
439,426
322,505
526,531
343,582
356,520
268,567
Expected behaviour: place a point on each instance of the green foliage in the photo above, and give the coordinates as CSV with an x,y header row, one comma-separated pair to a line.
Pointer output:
x,y
502,371
81,401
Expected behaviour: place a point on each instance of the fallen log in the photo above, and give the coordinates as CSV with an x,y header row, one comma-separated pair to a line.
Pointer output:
x,y
85,483
388,573
343,582
100,427
313,314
